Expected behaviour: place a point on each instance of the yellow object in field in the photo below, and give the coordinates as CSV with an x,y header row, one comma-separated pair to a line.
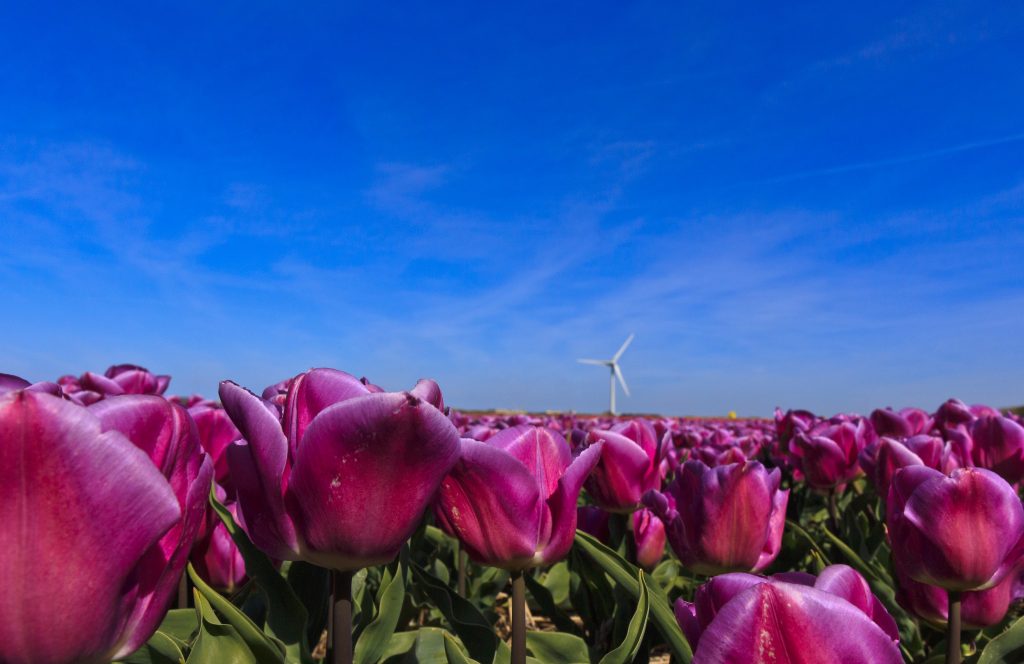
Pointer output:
x,y
732,414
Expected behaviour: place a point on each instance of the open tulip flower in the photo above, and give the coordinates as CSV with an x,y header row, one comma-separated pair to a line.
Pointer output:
x,y
511,500
629,467
827,457
724,519
340,474
997,443
99,508
791,618
964,531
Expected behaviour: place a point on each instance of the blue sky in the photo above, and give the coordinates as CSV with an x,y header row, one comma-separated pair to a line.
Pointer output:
x,y
819,205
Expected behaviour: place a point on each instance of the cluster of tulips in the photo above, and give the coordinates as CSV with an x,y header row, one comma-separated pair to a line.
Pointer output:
x,y
327,518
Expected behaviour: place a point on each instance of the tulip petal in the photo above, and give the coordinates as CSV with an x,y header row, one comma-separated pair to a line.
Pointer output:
x,y
385,452
63,481
10,382
491,502
427,390
312,392
617,483
261,466
562,504
843,581
781,623
776,528
543,451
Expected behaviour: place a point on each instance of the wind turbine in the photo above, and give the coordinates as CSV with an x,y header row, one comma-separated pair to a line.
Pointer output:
x,y
616,372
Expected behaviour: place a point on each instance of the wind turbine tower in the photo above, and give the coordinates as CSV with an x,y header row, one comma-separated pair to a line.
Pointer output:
x,y
614,370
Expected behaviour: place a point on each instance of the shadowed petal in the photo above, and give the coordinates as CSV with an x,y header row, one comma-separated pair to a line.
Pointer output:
x,y
562,504
427,390
843,581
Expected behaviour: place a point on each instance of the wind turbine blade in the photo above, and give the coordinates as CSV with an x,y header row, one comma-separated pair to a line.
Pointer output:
x,y
625,345
602,363
622,381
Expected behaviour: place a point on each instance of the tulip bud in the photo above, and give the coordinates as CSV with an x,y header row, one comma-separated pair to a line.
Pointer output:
x,y
649,535
339,475
726,519
959,532
511,500
630,465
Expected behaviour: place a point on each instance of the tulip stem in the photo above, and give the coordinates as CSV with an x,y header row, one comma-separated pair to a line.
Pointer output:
x,y
518,618
833,511
341,646
953,653
461,585
183,592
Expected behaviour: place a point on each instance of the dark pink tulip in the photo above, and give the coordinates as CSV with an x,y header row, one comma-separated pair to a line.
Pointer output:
x,y
594,520
881,460
98,510
339,475
791,618
726,519
978,609
998,444
888,422
960,532
649,534
125,379
828,457
630,465
511,500
215,556
791,423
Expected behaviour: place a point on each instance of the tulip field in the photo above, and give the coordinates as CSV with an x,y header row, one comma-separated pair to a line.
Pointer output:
x,y
326,519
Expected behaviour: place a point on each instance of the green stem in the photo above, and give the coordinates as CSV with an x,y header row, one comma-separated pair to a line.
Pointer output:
x,y
518,618
953,652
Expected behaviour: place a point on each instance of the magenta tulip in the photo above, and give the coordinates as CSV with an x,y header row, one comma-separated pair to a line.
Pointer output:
x,y
827,457
881,460
215,556
630,465
511,500
979,608
791,618
649,535
726,519
964,531
997,443
99,508
339,475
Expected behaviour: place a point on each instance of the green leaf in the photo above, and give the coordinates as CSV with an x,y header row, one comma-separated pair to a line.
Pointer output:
x,y
1006,648
630,646
626,576
557,648
180,624
286,615
540,593
311,584
390,598
469,624
160,649
218,642
265,648
558,581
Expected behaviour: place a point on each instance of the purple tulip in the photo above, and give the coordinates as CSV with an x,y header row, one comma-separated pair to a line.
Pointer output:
x,y
629,467
791,618
979,608
881,460
511,500
964,531
215,556
339,475
726,519
649,534
827,457
903,424
99,508
997,443
216,433
791,423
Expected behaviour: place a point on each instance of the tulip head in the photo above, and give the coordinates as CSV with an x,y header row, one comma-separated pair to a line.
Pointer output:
x,y
964,531
630,465
726,519
978,609
791,617
649,536
997,443
338,475
511,500
827,457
